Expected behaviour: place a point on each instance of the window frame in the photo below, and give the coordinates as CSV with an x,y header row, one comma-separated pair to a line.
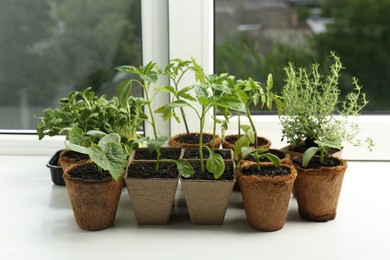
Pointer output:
x,y
165,37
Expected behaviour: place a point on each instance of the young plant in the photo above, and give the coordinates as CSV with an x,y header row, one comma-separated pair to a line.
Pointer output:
x,y
148,75
315,113
123,114
176,71
251,92
211,92
257,154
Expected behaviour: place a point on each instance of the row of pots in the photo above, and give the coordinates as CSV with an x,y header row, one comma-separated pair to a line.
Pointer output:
x,y
266,199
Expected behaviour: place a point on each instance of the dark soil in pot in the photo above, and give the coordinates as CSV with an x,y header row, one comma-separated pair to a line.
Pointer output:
x,y
266,170
232,139
281,155
193,138
69,157
315,162
228,174
166,153
193,153
89,172
144,169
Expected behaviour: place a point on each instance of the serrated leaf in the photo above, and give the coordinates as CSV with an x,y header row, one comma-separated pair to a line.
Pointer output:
x,y
215,164
185,168
123,91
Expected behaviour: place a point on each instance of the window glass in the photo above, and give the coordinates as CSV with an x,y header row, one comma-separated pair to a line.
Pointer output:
x,y
49,48
257,37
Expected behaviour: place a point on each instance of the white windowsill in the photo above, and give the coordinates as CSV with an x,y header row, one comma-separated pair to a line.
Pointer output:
x,y
37,223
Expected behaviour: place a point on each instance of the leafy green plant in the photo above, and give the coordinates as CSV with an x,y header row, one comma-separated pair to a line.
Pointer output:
x,y
148,75
210,92
251,92
315,113
123,114
108,153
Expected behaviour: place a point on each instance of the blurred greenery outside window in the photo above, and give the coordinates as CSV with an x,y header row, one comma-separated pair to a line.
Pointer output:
x,y
49,48
256,37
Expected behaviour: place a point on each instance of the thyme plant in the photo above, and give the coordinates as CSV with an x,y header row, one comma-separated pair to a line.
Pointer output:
x,y
316,114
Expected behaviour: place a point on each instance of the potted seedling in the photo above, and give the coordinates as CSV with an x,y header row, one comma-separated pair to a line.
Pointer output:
x,y
213,177
176,70
323,121
94,187
250,92
152,181
265,188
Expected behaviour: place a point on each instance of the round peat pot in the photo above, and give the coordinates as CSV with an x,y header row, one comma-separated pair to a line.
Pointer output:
x,y
69,158
94,201
266,194
318,189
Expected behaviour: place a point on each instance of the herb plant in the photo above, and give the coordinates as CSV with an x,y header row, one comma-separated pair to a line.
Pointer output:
x,y
315,113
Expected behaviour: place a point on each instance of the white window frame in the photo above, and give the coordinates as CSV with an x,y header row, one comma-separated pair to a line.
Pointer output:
x,y
191,33
154,47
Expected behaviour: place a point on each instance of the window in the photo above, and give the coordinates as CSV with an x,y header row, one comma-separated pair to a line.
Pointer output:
x,y
51,47
258,37
189,30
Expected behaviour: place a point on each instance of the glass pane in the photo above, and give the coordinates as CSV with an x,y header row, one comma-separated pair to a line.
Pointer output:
x,y
258,37
49,48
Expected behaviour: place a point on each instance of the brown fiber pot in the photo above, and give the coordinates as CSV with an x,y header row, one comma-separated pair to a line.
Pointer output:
x,y
173,141
318,190
228,145
94,203
66,161
152,199
266,199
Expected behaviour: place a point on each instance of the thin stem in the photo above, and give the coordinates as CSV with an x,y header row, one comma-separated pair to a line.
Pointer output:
x,y
153,123
201,140
248,113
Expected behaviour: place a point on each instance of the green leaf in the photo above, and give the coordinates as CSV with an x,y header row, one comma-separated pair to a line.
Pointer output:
x,y
76,148
111,158
123,91
215,164
231,102
246,151
110,138
308,155
273,158
185,168
242,142
168,89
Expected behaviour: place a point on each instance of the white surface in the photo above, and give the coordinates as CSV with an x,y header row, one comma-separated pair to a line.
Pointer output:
x,y
36,222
